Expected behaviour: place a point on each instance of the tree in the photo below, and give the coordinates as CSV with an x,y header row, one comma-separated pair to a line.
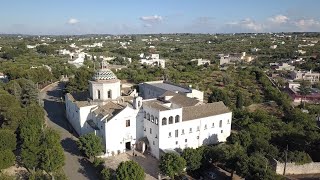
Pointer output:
x,y
239,102
299,157
235,158
7,159
259,168
90,144
219,95
14,88
7,140
31,135
193,158
45,49
172,164
29,91
130,170
80,80
51,155
304,89
105,174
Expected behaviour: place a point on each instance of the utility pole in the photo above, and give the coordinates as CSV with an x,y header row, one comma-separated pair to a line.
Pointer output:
x,y
285,163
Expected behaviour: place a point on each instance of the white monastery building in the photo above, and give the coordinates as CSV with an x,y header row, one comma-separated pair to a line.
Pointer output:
x,y
165,117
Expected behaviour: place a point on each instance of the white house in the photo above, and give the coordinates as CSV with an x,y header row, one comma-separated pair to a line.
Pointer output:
x,y
3,77
284,67
273,46
78,59
171,118
305,75
201,61
153,60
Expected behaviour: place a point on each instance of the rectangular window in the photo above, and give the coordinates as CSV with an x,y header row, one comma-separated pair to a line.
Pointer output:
x,y
197,137
169,134
150,131
190,131
205,126
186,140
128,123
198,128
176,133
182,132
176,142
153,143
109,94
212,125
221,131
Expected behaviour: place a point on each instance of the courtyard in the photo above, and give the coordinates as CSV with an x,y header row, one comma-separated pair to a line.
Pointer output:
x,y
146,161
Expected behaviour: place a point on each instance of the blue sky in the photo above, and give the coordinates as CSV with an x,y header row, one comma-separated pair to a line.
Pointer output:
x,y
157,16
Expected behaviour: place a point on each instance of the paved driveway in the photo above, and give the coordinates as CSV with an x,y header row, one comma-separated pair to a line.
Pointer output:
x,y
76,167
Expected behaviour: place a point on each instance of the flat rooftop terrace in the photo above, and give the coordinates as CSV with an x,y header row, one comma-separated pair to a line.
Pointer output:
x,y
170,87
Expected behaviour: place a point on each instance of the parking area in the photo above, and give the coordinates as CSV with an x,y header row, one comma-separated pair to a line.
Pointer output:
x,y
147,162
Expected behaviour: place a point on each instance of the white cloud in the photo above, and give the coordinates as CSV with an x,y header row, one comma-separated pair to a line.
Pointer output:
x,y
73,21
305,24
247,24
279,19
151,19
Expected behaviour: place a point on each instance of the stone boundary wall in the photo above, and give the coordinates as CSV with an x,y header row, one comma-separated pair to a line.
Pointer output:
x,y
293,168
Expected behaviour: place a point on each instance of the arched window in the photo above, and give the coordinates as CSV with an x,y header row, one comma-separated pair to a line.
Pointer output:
x,y
220,123
145,115
157,121
99,95
152,118
148,117
164,121
170,120
177,119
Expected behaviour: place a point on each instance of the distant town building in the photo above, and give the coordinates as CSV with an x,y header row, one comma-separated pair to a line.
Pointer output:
x,y
305,75
302,51
255,49
78,59
234,57
282,66
273,46
153,60
3,77
293,90
201,61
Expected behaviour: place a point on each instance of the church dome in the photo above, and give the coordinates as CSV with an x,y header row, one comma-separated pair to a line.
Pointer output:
x,y
104,74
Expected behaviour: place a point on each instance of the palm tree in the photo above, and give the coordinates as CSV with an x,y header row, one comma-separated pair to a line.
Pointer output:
x,y
304,89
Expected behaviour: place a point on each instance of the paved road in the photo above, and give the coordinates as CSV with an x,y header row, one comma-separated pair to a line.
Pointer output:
x,y
76,167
